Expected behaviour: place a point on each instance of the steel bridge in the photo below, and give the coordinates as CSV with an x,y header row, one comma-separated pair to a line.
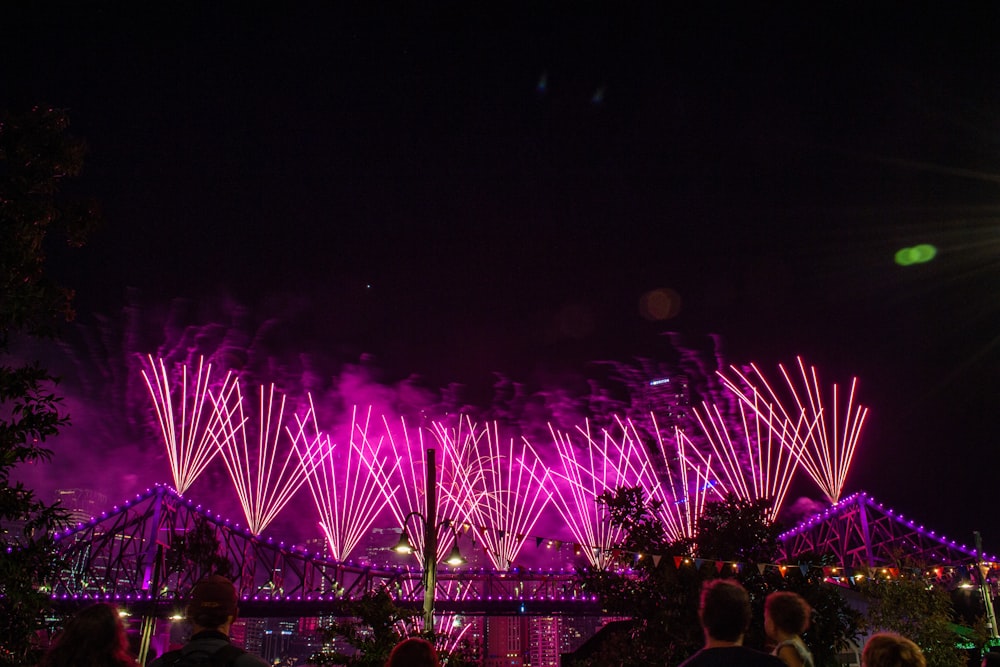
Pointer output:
x,y
140,552
861,533
145,553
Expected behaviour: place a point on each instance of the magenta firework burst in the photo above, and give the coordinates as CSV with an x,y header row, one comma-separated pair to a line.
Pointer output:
x,y
186,415
498,483
404,485
343,478
750,459
822,433
671,476
590,466
267,473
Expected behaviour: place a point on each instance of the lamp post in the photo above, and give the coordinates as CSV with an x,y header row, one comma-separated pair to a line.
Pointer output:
x,y
431,528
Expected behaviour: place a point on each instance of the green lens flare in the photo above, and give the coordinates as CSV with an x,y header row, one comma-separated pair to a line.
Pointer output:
x,y
918,254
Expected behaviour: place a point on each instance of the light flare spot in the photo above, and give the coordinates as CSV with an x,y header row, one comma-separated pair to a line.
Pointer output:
x,y
918,254
660,304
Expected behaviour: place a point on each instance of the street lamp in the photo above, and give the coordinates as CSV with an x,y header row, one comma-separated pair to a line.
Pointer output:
x,y
431,528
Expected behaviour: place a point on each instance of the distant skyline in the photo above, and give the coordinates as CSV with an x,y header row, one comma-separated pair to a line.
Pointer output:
x,y
455,192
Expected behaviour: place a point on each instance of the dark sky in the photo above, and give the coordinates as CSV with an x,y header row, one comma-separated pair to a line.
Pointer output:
x,y
406,177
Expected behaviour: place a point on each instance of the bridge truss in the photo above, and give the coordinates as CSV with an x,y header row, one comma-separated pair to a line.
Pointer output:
x,y
147,552
861,533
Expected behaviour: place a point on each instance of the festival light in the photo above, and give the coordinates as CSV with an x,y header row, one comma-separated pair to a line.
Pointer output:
x,y
500,486
341,481
267,476
187,426
823,437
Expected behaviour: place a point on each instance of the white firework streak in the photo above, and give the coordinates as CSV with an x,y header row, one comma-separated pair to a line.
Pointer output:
x,y
582,478
500,486
823,439
347,499
447,635
265,476
188,435
462,467
404,487
753,461
681,499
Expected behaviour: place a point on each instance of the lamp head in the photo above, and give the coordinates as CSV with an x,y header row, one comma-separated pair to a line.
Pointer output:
x,y
455,558
404,546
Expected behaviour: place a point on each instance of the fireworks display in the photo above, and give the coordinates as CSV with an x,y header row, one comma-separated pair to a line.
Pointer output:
x,y
267,475
682,485
499,486
751,460
338,478
590,469
186,416
822,435
495,488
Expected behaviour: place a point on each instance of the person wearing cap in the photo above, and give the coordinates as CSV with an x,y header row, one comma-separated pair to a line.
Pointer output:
x,y
211,611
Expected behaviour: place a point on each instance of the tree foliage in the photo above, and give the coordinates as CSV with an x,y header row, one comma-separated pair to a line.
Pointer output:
x,y
662,600
36,155
370,631
198,552
918,610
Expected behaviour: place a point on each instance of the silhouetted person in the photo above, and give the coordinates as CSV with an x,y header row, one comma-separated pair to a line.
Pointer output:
x,y
211,611
413,652
786,617
724,613
94,637
888,649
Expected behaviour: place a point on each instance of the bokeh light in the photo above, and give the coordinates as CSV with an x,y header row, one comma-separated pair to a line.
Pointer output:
x,y
660,304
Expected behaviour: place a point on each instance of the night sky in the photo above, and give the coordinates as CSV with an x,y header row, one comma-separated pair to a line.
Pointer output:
x,y
459,191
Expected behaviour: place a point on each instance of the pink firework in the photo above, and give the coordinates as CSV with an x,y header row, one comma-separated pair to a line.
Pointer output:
x,y
187,418
404,485
822,435
341,479
751,460
449,628
590,468
268,473
498,483
677,482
